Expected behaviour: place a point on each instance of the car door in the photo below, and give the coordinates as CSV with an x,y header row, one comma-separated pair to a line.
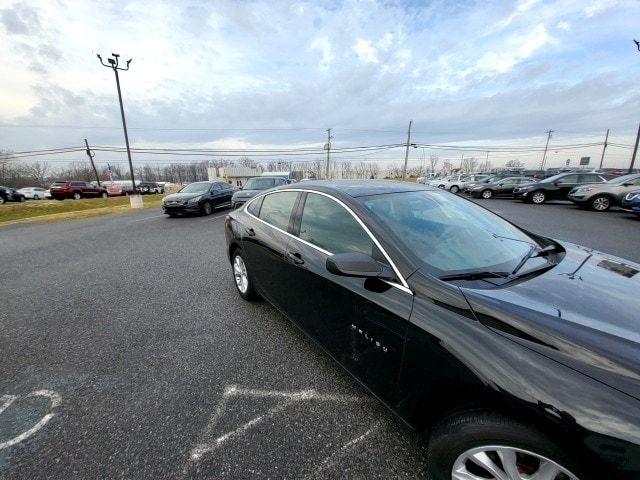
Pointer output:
x,y
362,323
264,241
506,186
226,192
214,194
563,186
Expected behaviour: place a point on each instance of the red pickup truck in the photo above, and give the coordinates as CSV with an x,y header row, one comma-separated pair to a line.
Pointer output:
x,y
76,189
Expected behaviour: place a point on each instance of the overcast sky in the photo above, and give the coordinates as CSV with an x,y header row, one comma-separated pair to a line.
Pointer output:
x,y
269,73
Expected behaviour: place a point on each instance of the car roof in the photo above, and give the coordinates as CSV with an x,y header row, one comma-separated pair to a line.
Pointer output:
x,y
358,188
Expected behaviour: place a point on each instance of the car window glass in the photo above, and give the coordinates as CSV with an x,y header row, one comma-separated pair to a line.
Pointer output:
x,y
586,178
276,208
568,179
254,207
328,225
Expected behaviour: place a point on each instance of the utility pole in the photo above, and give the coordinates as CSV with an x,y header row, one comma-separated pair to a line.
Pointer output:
x,y
113,64
90,154
604,148
328,148
635,150
486,162
406,153
544,156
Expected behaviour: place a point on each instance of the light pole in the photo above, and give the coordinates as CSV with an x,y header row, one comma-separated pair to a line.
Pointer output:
x,y
113,64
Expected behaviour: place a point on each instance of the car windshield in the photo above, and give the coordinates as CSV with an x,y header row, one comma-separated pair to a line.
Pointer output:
x,y
260,183
450,235
623,179
196,188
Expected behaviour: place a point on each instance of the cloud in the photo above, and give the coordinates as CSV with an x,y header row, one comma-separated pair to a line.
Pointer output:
x,y
20,20
365,51
324,46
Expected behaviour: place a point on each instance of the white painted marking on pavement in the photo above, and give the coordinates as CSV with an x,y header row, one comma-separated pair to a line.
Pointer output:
x,y
209,444
55,400
331,459
146,218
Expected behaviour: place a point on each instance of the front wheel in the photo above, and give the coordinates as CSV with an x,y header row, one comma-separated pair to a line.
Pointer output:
x,y
488,446
241,276
23,198
2,200
207,208
36,197
487,194
538,197
104,195
77,196
454,189
600,203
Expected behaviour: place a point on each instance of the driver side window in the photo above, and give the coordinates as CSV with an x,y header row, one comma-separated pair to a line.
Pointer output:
x,y
328,225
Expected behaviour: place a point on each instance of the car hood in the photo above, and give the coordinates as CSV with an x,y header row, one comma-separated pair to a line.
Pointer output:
x,y
246,193
182,197
582,313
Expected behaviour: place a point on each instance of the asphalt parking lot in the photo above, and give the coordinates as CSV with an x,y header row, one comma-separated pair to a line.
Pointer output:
x,y
127,353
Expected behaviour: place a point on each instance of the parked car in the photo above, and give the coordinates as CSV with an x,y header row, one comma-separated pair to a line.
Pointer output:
x,y
10,195
499,188
489,179
254,186
556,187
631,202
458,182
198,197
601,197
76,189
497,341
146,188
34,193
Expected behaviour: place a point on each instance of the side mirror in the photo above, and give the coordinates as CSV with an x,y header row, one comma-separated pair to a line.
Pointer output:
x,y
356,264
627,184
555,184
500,184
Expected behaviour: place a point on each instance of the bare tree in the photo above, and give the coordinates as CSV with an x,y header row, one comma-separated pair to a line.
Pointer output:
x,y
514,164
433,161
469,164
374,169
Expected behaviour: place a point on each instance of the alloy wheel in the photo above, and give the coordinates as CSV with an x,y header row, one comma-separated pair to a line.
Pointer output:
x,y
240,274
600,204
487,194
207,208
538,197
454,189
506,463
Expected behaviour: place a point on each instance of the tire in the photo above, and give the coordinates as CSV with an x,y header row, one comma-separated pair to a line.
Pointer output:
x,y
538,197
454,189
455,439
23,198
241,277
2,200
486,194
207,208
104,195
145,189
36,197
77,195
441,186
600,203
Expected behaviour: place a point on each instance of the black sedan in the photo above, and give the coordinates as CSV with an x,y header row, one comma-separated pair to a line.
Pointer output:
x,y
10,195
198,197
556,187
502,187
500,342
254,186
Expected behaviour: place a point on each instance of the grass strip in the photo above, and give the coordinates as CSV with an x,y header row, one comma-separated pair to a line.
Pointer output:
x,y
55,210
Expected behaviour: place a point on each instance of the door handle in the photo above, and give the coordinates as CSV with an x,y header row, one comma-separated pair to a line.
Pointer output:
x,y
250,232
295,257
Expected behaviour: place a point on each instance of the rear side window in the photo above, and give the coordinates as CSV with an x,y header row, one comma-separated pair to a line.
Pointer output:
x,y
77,184
328,225
568,179
254,207
277,207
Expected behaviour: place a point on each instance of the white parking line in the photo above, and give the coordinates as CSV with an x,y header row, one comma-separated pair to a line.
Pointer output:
x,y
146,218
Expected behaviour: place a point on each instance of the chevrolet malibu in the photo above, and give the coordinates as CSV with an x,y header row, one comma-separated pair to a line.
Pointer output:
x,y
500,343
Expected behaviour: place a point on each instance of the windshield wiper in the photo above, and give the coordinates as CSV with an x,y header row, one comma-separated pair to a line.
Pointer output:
x,y
533,252
480,275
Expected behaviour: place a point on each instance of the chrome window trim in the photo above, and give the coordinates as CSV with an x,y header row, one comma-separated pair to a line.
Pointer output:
x,y
404,286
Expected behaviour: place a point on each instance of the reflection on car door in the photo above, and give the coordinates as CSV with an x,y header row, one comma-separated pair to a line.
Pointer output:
x,y
362,323
264,244
564,186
